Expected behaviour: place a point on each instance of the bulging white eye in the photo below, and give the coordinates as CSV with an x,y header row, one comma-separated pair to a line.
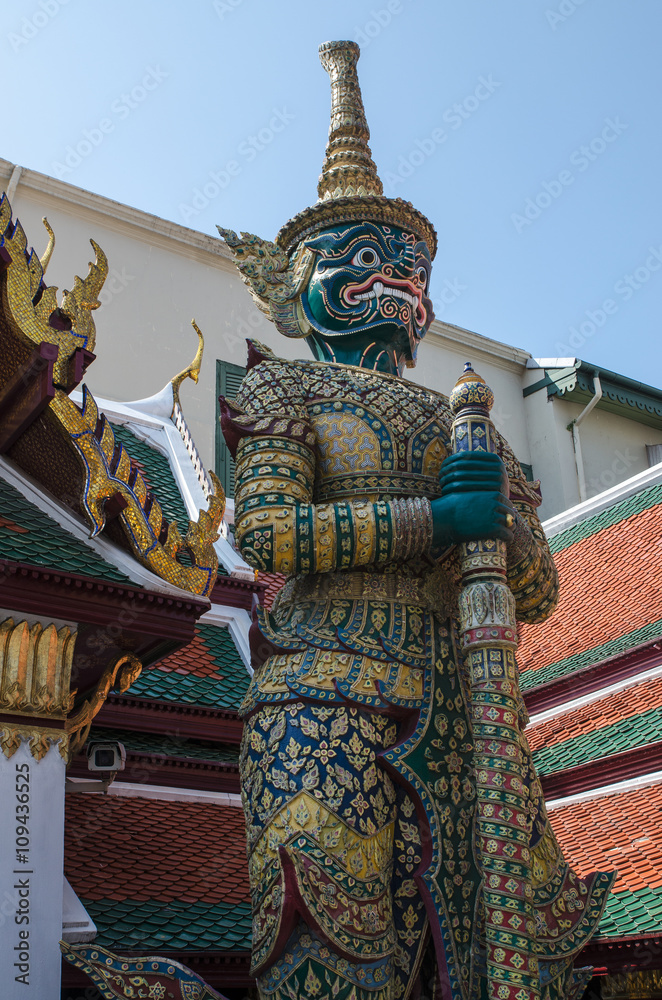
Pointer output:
x,y
365,257
422,276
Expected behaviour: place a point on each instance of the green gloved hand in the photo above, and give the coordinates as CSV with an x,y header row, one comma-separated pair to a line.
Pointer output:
x,y
474,503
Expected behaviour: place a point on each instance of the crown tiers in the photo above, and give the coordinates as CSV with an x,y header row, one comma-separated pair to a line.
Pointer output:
x,y
349,188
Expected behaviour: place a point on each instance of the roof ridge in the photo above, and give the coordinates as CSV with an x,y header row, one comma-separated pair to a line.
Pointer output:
x,y
621,511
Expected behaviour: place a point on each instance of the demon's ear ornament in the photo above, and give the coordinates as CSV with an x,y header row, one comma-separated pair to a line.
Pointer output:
x,y
350,193
275,280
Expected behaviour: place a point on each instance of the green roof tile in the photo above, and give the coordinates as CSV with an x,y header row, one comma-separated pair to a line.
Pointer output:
x,y
534,678
159,474
226,690
152,924
45,543
169,746
619,512
160,477
631,913
626,734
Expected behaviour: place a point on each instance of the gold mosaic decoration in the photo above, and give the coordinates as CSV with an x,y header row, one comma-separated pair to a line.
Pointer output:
x,y
120,674
37,317
35,668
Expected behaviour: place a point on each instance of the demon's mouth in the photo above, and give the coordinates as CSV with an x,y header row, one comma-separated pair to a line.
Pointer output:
x,y
378,286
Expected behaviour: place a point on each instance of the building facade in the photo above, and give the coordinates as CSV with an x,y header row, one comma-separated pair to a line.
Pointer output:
x,y
162,274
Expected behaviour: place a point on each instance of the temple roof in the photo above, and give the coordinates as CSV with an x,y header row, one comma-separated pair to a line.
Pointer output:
x,y
617,722
619,831
166,875
592,674
30,535
209,671
611,578
157,472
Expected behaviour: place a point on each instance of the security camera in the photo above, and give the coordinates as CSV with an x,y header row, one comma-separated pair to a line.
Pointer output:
x,y
109,756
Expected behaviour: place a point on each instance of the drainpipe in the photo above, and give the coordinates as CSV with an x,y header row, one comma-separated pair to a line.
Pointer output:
x,y
574,427
13,182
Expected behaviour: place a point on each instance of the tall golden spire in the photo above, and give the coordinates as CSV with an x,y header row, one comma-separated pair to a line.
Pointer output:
x,y
348,166
349,189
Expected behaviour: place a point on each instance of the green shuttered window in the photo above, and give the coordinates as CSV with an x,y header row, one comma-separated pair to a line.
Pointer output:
x,y
228,380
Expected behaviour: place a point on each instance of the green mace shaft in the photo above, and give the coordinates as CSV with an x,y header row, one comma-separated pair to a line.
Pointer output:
x,y
489,640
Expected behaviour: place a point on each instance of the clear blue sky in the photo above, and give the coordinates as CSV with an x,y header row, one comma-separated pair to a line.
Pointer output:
x,y
480,111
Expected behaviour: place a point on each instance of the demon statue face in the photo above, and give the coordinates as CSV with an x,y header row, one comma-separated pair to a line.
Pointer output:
x,y
358,292
350,273
367,295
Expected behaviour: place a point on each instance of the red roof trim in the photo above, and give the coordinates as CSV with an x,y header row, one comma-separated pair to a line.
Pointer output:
x,y
609,671
29,589
623,954
171,772
236,593
149,716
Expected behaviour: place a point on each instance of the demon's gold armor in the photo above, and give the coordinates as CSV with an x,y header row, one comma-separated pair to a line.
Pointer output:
x,y
357,761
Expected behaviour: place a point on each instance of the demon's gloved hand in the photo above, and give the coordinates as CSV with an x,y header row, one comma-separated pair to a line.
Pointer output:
x,y
474,503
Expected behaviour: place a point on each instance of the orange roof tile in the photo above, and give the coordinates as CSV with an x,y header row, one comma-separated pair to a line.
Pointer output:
x,y
620,832
610,585
194,659
147,849
274,582
600,713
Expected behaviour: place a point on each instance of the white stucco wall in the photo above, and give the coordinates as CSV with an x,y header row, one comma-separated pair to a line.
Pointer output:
x,y
161,275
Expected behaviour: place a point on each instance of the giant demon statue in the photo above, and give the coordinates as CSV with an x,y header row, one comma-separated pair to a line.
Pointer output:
x,y
397,835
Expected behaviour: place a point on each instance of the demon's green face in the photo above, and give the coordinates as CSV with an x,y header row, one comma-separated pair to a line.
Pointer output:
x,y
371,280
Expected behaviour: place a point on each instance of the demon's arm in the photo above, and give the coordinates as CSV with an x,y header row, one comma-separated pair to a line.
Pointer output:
x,y
277,526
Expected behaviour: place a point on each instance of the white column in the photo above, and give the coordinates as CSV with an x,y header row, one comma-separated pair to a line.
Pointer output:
x,y
31,866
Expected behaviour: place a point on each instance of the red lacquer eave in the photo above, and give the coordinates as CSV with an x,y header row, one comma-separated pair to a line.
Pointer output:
x,y
236,593
172,718
627,954
72,597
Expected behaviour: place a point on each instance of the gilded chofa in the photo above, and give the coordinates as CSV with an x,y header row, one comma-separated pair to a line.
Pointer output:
x,y
64,334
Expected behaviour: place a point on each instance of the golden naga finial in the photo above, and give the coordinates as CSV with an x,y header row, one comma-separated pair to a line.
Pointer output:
x,y
191,371
48,252
79,303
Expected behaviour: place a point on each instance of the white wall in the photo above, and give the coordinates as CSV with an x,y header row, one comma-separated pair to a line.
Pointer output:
x,y
162,275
